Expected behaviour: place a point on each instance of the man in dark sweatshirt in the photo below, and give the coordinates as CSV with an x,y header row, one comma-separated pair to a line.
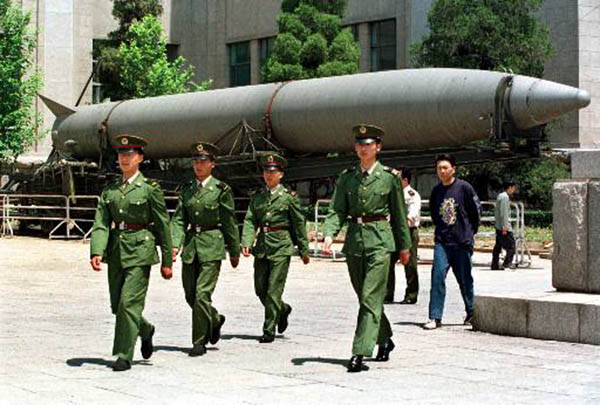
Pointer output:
x,y
455,212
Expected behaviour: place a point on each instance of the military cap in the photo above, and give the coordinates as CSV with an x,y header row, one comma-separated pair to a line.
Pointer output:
x,y
364,133
204,151
273,161
126,143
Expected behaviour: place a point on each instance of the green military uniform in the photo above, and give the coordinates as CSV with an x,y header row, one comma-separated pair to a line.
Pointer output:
x,y
205,224
131,218
366,202
276,216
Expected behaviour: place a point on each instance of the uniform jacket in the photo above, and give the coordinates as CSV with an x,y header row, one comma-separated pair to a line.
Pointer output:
x,y
211,205
140,203
280,209
379,194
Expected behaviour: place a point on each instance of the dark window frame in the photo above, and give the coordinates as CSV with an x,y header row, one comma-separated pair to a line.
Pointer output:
x,y
383,55
239,70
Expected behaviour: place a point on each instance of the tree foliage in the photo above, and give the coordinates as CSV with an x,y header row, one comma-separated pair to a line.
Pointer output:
x,y
145,70
19,83
485,34
311,42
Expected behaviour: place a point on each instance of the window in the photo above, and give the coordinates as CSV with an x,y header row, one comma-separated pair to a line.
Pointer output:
x,y
172,52
383,45
354,30
239,64
266,47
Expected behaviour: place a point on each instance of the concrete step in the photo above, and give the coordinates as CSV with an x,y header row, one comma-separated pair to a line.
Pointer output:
x,y
567,317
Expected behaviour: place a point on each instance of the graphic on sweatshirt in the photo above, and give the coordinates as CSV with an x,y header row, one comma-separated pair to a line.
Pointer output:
x,y
448,211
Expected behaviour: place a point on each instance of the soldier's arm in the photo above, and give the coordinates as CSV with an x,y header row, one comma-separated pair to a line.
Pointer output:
x,y
101,228
178,223
338,211
229,221
160,218
398,216
298,222
249,228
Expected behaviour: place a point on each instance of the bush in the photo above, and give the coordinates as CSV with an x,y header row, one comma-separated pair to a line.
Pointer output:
x,y
288,49
538,218
343,48
290,23
314,51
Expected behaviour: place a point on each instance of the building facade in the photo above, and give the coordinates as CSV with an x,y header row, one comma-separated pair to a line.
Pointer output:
x,y
228,41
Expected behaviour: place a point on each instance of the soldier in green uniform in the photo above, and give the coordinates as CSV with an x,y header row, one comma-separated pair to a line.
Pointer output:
x,y
274,213
204,223
130,217
370,198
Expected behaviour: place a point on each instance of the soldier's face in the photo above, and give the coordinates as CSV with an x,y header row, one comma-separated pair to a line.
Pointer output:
x,y
367,151
129,162
445,171
272,177
203,168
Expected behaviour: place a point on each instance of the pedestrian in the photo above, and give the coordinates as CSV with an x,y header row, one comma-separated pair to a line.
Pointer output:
x,y
369,197
131,219
413,211
455,212
276,223
504,235
205,225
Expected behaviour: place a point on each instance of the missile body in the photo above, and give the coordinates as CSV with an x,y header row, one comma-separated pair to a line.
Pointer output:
x,y
417,108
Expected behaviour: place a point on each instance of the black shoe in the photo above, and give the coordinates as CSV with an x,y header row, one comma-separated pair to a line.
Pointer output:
x,y
356,365
408,301
197,350
383,354
266,339
468,320
147,346
216,332
388,301
121,365
283,319
496,267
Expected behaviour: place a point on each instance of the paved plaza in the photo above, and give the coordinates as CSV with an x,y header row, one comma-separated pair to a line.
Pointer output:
x,y
57,330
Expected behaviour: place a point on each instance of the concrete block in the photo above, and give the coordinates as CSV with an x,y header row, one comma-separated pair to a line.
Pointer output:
x,y
585,164
593,270
570,230
500,315
553,320
589,324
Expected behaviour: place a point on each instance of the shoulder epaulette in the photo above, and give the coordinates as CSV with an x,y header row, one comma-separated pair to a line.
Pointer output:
x,y
153,183
223,186
392,171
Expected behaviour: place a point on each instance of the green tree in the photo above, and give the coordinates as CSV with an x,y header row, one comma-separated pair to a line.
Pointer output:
x,y
19,82
485,34
311,42
145,70
126,12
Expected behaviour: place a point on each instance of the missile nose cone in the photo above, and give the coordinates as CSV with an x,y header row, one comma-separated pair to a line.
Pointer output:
x,y
583,98
535,101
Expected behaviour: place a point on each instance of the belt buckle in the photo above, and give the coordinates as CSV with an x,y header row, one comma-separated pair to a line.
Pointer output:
x,y
122,226
264,229
359,220
198,228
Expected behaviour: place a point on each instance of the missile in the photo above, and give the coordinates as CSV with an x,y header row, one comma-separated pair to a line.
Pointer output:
x,y
417,108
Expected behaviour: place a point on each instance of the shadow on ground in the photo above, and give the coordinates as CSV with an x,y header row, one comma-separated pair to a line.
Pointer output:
x,y
300,361
80,361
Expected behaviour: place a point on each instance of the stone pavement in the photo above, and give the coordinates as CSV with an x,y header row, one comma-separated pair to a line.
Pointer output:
x,y
56,338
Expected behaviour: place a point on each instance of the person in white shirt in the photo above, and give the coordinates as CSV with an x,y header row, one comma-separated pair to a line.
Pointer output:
x,y
413,210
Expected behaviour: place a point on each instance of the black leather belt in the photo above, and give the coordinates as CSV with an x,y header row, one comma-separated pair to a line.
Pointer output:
x,y
122,226
202,228
273,229
368,218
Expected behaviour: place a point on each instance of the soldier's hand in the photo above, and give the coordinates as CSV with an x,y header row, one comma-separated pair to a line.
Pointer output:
x,y
234,261
327,244
410,223
166,272
95,262
246,251
174,252
404,257
305,259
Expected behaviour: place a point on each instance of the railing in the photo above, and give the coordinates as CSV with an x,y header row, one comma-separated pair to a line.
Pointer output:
x,y
517,219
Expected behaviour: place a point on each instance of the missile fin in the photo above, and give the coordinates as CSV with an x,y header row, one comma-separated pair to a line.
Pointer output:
x,y
57,109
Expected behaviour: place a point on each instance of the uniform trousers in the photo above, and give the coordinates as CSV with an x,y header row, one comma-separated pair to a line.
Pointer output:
x,y
199,282
410,271
128,287
369,274
270,276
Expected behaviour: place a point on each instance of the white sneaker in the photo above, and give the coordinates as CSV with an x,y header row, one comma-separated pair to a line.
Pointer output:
x,y
432,324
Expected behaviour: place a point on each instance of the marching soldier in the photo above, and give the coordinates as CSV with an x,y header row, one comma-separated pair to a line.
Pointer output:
x,y
131,214
275,214
370,198
204,223
413,208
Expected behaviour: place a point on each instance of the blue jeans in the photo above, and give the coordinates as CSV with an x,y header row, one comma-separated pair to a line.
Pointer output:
x,y
459,258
